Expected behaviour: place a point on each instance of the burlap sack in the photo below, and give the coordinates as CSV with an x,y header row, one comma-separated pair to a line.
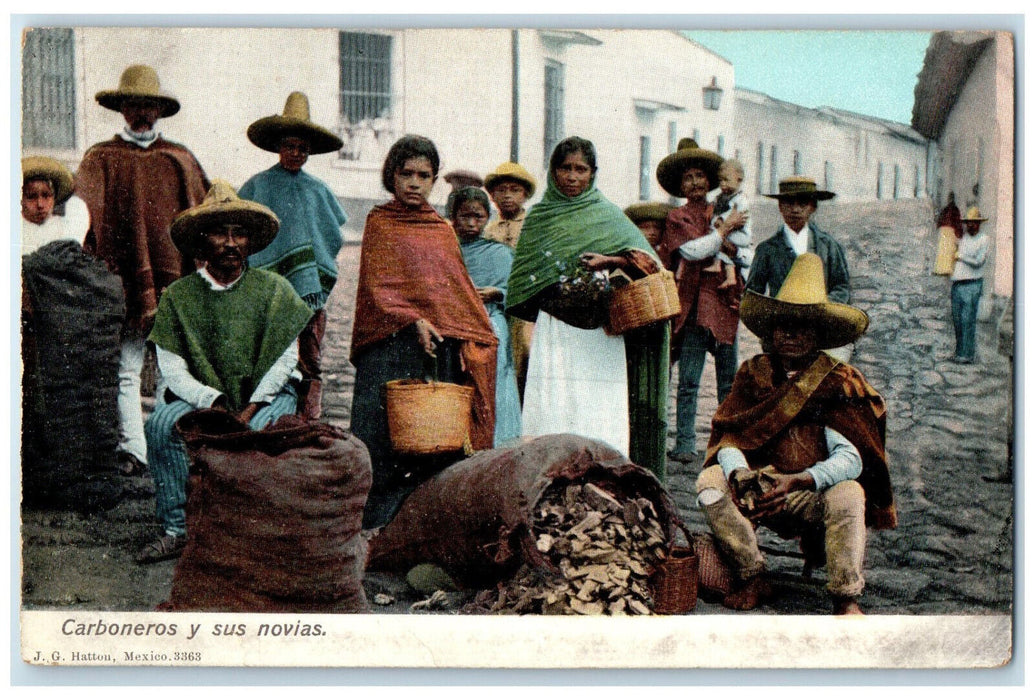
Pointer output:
x,y
72,315
474,519
273,517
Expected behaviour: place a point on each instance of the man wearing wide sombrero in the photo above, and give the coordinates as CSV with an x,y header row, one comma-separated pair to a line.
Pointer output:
x,y
968,273
707,320
225,337
306,248
814,430
798,199
134,185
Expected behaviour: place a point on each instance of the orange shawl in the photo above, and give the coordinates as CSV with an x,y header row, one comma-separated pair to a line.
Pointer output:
x,y
410,268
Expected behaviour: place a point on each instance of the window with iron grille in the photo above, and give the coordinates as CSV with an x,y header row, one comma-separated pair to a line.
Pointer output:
x,y
773,182
797,163
365,89
48,89
553,112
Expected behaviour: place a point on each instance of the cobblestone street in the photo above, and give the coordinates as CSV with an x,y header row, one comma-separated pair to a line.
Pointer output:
x,y
947,427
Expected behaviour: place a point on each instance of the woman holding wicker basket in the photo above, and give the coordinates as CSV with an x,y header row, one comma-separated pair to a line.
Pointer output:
x,y
572,243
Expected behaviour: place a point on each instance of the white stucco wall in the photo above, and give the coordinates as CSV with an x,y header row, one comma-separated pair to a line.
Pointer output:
x,y
856,148
977,149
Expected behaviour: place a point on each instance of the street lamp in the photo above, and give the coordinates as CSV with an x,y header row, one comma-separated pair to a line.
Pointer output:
x,y
712,94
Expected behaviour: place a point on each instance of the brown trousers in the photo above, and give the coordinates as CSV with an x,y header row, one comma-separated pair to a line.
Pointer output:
x,y
839,508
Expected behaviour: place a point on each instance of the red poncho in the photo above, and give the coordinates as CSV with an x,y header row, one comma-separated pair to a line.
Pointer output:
x,y
764,414
701,302
411,268
133,195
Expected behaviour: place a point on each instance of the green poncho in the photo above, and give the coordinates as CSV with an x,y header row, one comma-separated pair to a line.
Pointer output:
x,y
230,338
556,232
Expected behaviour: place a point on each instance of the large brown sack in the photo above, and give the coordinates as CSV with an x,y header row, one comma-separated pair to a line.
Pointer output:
x,y
273,517
474,519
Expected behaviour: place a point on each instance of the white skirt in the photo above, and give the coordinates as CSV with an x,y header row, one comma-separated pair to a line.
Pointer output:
x,y
576,384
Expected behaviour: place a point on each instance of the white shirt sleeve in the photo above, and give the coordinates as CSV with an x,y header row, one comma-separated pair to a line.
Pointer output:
x,y
974,254
700,248
731,459
843,464
180,381
277,376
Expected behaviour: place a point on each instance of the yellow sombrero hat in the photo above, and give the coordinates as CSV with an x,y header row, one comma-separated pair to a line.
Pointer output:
x,y
60,178
138,82
802,299
688,154
974,214
222,206
267,133
511,171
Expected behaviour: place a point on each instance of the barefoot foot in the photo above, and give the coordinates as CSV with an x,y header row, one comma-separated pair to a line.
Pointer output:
x,y
749,596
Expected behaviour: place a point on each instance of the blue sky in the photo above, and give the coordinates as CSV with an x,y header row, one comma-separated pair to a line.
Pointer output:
x,y
870,72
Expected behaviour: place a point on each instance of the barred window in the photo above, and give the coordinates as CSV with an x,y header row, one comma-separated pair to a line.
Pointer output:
x,y
553,115
48,89
366,76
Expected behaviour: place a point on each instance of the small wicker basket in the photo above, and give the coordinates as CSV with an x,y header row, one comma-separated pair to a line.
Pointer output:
x,y
674,582
427,418
647,300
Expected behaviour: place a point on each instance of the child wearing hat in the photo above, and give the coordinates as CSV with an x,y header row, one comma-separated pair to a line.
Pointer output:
x,y
650,217
968,274
47,184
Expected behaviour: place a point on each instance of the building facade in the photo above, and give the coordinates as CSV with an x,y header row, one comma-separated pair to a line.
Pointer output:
x,y
965,103
860,158
483,96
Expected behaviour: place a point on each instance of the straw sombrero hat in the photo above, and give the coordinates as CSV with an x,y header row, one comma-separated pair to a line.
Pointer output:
x,y
974,214
60,178
803,299
687,155
138,82
511,171
800,185
648,211
222,206
267,133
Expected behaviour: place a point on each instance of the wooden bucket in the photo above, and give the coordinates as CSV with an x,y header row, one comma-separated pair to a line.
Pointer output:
x,y
427,418
647,300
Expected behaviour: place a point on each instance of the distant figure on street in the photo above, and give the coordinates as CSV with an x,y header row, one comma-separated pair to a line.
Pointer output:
x,y
950,216
798,446
967,284
134,185
226,337
306,247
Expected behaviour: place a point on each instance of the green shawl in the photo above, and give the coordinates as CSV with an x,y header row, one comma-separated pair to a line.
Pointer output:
x,y
230,338
556,232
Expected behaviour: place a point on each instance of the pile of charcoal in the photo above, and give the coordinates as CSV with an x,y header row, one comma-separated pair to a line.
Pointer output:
x,y
603,548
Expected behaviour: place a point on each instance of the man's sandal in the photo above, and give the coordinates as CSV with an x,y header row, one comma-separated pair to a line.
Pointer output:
x,y
165,547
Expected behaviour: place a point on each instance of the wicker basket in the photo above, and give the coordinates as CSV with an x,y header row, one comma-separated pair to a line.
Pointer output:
x,y
428,417
674,582
647,300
